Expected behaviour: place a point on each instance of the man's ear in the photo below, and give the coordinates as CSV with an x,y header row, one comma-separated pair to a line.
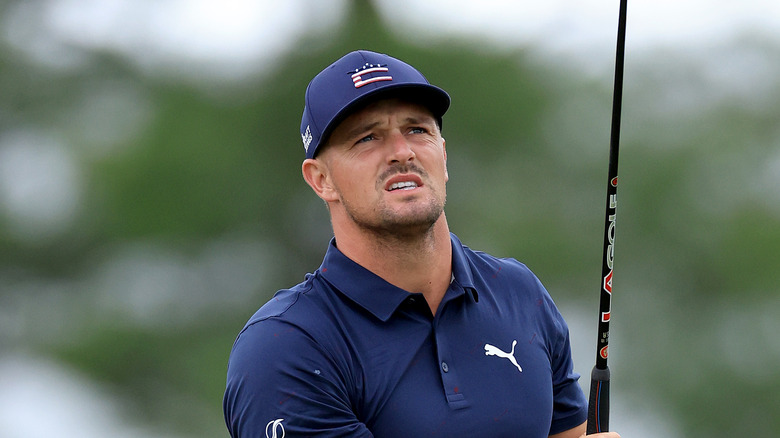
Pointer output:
x,y
317,176
444,151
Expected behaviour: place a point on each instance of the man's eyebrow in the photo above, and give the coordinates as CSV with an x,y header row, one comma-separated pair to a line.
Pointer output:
x,y
361,129
419,120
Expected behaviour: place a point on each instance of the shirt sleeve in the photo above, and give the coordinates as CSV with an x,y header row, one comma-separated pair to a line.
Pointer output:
x,y
280,382
570,407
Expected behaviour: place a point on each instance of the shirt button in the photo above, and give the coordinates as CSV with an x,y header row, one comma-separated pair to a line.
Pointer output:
x,y
445,367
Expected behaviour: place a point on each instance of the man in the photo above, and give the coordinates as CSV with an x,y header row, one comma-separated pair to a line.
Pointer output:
x,y
402,331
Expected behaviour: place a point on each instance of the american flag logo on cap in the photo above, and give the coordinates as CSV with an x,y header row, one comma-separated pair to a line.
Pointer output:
x,y
370,73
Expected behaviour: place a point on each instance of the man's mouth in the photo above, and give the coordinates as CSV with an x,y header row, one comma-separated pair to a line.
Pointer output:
x,y
403,185
403,181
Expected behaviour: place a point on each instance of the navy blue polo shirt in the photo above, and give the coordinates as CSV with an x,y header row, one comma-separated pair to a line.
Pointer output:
x,y
346,354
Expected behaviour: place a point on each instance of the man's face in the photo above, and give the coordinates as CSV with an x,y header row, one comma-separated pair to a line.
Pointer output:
x,y
387,166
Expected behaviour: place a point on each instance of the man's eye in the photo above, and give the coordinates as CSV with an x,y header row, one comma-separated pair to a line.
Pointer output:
x,y
366,138
418,130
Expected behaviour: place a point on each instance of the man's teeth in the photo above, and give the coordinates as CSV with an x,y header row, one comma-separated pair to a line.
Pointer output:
x,y
406,185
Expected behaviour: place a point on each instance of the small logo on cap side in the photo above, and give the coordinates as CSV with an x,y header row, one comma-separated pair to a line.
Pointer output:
x,y
306,137
369,70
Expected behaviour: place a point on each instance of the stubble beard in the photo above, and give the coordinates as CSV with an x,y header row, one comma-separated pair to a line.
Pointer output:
x,y
387,224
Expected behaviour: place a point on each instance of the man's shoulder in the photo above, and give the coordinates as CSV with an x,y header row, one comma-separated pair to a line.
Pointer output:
x,y
289,304
504,277
488,264
293,316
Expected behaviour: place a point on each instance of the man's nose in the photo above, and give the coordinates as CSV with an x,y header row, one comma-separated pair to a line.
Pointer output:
x,y
401,150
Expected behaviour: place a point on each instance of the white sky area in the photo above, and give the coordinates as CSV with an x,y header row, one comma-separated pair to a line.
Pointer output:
x,y
41,399
236,36
233,38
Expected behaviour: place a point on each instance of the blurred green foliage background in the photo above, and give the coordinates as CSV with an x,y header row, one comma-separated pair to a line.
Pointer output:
x,y
145,216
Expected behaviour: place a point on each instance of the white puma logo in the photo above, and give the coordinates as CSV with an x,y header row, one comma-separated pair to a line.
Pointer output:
x,y
495,351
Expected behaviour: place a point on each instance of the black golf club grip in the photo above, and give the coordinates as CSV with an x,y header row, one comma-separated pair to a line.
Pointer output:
x,y
598,403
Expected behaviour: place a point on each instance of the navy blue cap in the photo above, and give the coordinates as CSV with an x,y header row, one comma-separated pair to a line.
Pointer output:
x,y
353,81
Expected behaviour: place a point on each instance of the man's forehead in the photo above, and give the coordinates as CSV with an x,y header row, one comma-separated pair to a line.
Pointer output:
x,y
406,110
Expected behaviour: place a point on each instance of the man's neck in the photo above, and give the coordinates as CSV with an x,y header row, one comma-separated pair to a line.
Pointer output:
x,y
420,264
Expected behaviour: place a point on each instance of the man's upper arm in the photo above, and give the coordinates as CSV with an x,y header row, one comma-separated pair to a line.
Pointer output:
x,y
569,402
278,376
575,432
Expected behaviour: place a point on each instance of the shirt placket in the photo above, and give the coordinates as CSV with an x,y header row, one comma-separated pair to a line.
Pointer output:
x,y
448,368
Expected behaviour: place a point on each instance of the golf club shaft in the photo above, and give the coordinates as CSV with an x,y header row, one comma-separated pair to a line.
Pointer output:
x,y
598,403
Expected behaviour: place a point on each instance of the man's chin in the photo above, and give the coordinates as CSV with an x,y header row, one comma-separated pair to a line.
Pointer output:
x,y
403,219
410,224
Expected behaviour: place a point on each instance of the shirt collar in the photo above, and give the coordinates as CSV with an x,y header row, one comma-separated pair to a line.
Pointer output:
x,y
374,293
461,269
